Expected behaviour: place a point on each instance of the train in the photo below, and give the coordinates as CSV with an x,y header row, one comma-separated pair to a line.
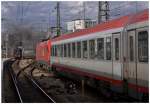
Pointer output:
x,y
21,53
43,54
18,52
112,56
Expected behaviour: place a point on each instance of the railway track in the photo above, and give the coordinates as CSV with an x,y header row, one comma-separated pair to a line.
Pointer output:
x,y
28,90
9,94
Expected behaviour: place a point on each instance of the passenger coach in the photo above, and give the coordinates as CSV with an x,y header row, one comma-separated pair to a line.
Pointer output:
x,y
112,55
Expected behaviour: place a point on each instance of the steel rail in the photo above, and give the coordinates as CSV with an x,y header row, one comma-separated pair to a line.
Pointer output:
x,y
15,83
31,79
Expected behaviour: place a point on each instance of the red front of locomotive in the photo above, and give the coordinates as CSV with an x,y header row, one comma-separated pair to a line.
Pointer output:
x,y
43,51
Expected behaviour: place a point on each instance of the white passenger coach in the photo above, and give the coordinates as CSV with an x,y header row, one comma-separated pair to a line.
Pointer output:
x,y
112,55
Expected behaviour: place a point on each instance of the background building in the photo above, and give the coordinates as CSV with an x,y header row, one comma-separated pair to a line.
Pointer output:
x,y
79,24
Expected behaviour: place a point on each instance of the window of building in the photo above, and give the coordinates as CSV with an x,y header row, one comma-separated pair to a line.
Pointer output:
x,y
131,48
73,50
69,50
92,49
65,50
85,51
117,48
100,48
143,46
78,49
108,48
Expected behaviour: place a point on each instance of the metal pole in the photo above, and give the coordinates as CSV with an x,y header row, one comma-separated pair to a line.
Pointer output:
x,y
6,45
99,10
103,8
58,19
84,11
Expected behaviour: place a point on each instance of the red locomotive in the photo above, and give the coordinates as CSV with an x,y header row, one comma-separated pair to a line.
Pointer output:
x,y
43,50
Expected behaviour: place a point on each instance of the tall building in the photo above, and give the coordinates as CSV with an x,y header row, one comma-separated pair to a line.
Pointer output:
x,y
79,24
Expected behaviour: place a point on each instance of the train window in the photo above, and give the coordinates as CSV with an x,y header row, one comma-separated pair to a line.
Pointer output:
x,y
73,50
143,46
100,48
65,50
85,52
69,50
52,51
78,49
55,50
58,50
117,48
108,48
92,49
62,51
131,48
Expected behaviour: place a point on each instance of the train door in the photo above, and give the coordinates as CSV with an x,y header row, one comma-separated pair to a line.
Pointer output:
x,y
116,57
132,63
142,62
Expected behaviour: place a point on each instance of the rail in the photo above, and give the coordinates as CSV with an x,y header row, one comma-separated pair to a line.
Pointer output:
x,y
15,84
33,82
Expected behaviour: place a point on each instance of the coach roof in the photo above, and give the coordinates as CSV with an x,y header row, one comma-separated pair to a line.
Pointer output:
x,y
112,24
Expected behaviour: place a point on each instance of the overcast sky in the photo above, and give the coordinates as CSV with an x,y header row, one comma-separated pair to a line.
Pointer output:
x,y
42,14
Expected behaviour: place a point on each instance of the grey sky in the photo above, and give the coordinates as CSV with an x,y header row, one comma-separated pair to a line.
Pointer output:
x,y
41,14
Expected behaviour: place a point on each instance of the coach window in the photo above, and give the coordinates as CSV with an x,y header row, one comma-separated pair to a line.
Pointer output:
x,y
92,49
52,51
58,50
78,49
69,50
73,50
56,47
62,51
108,48
100,48
117,48
85,52
55,50
65,50
143,46
131,48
